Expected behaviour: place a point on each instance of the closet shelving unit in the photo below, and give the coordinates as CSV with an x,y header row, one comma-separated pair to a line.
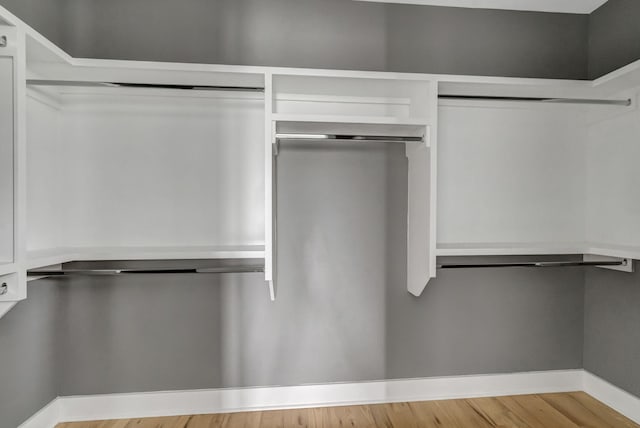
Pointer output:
x,y
314,105
132,172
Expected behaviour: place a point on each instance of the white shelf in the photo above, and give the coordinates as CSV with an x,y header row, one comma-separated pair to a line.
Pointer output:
x,y
509,249
41,258
358,125
622,251
542,248
373,120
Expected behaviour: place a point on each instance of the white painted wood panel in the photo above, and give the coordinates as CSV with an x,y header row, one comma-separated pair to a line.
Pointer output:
x,y
6,159
49,158
41,258
147,168
385,99
557,6
613,184
510,174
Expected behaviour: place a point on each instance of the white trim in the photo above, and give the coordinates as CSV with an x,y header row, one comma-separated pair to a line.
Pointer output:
x,y
558,6
172,403
47,417
612,396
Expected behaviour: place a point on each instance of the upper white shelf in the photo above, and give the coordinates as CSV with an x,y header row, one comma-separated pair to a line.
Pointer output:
x,y
41,258
622,251
557,6
373,120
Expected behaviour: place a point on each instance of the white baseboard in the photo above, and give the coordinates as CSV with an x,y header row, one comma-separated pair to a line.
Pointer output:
x,y
47,417
171,403
612,396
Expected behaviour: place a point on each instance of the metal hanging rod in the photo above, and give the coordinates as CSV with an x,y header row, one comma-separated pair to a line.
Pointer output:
x,y
353,138
533,264
624,103
111,272
78,83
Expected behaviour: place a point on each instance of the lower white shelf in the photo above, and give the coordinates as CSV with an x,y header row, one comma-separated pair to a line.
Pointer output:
x,y
542,248
614,250
508,249
48,257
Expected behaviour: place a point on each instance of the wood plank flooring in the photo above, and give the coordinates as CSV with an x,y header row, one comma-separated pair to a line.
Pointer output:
x,y
566,410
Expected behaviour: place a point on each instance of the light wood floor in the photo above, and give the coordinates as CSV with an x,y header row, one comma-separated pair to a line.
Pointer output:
x,y
569,410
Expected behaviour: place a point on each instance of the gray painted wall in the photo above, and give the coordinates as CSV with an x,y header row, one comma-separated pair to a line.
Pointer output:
x,y
28,355
342,313
340,34
611,327
486,42
614,36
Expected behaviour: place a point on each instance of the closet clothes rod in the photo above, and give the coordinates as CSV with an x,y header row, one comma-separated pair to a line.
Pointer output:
x,y
624,103
111,272
346,137
532,264
85,84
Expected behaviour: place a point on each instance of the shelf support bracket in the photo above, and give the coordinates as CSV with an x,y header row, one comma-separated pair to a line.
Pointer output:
x,y
626,266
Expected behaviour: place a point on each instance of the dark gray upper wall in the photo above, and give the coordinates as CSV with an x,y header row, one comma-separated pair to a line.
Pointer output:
x,y
614,36
452,40
340,34
290,33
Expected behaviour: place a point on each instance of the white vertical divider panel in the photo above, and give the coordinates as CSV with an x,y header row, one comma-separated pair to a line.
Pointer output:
x,y
270,194
613,176
15,277
20,164
421,207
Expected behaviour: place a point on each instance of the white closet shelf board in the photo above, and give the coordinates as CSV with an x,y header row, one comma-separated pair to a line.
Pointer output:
x,y
300,125
330,119
509,248
140,72
542,248
41,258
514,87
556,6
622,251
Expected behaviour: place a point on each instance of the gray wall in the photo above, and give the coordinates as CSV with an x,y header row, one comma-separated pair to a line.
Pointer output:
x,y
343,313
614,36
341,34
611,327
486,42
28,355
